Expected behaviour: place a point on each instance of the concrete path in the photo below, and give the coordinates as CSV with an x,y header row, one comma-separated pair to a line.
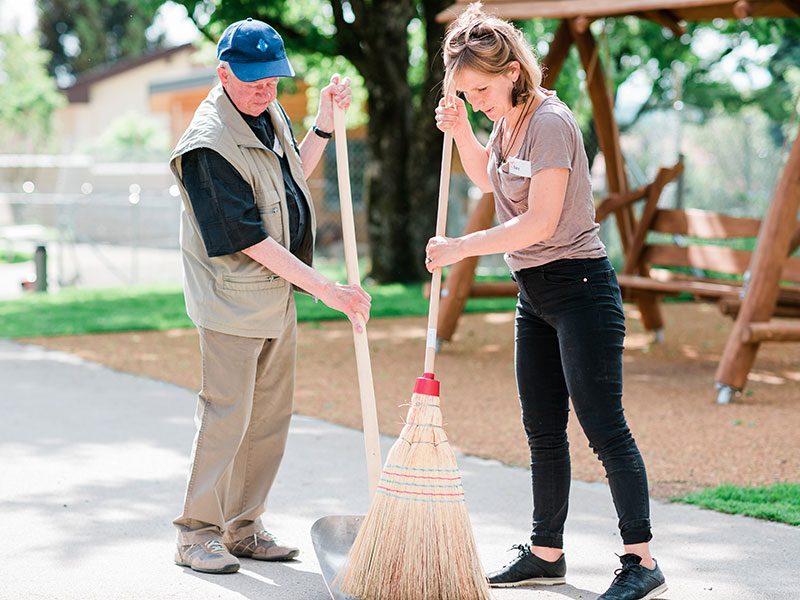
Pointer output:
x,y
92,471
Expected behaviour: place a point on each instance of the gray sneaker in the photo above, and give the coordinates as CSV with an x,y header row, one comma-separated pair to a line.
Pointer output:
x,y
262,546
210,556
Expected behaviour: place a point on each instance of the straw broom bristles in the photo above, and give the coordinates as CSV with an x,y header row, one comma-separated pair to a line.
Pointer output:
x,y
416,541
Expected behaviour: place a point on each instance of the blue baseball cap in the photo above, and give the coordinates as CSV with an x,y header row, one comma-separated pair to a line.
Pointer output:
x,y
254,51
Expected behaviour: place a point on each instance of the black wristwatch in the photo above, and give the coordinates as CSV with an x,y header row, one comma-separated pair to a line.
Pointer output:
x,y
323,134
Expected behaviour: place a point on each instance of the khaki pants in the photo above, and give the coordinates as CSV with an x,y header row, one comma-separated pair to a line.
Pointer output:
x,y
242,419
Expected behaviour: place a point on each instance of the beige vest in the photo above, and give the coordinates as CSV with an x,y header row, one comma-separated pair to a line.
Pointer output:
x,y
234,294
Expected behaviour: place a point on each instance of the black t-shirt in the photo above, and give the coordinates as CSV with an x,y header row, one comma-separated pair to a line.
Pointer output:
x,y
224,203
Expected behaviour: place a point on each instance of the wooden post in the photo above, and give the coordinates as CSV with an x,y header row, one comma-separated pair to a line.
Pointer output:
x,y
795,243
556,55
608,136
742,9
582,24
649,303
607,131
793,5
666,18
654,191
771,332
766,265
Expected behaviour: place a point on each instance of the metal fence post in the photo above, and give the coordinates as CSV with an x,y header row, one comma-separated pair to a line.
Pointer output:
x,y
40,262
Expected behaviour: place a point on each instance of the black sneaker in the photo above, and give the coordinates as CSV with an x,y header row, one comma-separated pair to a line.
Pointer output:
x,y
529,569
635,582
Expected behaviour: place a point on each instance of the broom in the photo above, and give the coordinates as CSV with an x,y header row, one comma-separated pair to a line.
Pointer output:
x,y
416,541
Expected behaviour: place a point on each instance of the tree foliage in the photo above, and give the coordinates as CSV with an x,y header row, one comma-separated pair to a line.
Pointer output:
x,y
131,137
28,95
84,34
778,100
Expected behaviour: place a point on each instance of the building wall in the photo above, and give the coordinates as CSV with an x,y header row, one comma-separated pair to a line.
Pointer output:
x,y
179,106
80,123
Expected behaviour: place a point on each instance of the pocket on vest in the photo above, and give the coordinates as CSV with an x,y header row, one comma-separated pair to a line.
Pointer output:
x,y
251,283
269,206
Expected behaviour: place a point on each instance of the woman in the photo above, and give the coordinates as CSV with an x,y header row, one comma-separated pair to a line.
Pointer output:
x,y
569,323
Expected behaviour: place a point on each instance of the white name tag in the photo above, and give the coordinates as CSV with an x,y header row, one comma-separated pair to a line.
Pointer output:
x,y
520,168
278,149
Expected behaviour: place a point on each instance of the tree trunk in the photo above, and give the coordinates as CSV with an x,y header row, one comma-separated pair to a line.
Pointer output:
x,y
385,181
425,146
384,42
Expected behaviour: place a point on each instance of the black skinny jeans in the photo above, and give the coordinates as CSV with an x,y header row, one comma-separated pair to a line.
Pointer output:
x,y
570,328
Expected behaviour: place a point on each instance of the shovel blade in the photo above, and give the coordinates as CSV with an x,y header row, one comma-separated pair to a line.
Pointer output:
x,y
332,538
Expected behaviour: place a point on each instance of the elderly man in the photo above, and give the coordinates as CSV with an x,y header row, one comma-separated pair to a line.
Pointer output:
x,y
247,238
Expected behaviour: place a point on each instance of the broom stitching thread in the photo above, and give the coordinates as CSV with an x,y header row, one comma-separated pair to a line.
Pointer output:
x,y
427,469
388,489
422,424
428,485
434,444
428,494
399,497
422,476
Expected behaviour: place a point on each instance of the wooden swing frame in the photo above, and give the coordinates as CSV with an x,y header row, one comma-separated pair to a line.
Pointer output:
x,y
778,234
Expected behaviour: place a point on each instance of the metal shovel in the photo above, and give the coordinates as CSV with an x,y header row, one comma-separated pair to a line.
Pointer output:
x,y
333,536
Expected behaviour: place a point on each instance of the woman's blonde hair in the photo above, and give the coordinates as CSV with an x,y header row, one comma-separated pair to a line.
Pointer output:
x,y
488,44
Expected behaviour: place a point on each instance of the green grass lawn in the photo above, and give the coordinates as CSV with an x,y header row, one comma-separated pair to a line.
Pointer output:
x,y
77,311
14,257
779,502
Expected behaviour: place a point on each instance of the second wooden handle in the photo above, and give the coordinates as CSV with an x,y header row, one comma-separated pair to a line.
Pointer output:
x,y
369,414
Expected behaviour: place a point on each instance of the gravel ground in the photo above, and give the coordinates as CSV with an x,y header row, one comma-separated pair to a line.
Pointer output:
x,y
687,440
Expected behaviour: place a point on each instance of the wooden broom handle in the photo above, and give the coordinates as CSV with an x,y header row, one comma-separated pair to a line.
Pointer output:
x,y
441,227
369,413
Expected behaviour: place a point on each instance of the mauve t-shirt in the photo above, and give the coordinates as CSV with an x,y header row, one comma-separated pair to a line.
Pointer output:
x,y
553,140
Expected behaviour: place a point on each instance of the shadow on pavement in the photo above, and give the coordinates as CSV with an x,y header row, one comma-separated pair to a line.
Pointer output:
x,y
257,580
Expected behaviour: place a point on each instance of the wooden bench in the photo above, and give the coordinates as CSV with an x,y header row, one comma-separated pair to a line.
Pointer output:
x,y
673,252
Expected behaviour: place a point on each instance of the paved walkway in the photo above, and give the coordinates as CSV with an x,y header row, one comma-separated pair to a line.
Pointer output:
x,y
92,470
